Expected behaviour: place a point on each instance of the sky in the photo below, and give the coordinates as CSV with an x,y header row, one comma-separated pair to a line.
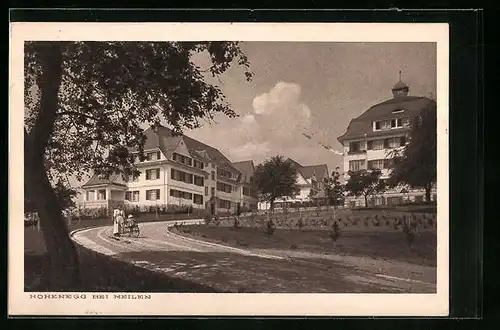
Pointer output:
x,y
315,88
312,88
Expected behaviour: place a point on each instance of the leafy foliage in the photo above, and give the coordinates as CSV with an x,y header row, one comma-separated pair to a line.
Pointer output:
x,y
274,178
108,89
364,183
334,190
416,164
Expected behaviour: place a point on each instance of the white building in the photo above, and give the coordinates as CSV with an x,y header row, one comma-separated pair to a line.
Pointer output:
x,y
371,138
178,170
310,181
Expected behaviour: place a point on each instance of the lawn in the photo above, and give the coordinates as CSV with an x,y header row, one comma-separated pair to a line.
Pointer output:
x,y
375,233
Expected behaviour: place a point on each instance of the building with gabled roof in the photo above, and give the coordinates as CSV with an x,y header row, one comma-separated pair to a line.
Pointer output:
x,y
310,181
178,170
371,138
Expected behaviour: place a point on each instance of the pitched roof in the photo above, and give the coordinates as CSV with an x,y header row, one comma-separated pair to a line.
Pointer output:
x,y
165,140
296,164
246,169
319,171
412,106
97,180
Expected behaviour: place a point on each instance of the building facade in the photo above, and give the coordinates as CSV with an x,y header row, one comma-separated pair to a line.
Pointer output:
x,y
178,170
310,183
371,140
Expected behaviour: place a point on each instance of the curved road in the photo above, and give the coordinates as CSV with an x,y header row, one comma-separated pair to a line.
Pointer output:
x,y
237,270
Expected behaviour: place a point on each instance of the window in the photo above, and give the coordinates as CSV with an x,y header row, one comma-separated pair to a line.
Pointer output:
x,y
224,204
132,196
181,194
101,194
198,164
213,175
356,165
224,173
378,144
153,174
199,181
227,188
246,191
376,164
91,195
406,122
198,199
394,142
153,156
212,191
182,159
153,195
206,191
181,176
383,125
354,146
213,165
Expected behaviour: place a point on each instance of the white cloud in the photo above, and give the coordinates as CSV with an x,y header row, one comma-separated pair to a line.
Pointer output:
x,y
279,117
251,150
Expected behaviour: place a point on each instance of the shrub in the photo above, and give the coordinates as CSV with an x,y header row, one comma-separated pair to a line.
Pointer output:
x,y
409,234
335,231
271,227
236,223
300,223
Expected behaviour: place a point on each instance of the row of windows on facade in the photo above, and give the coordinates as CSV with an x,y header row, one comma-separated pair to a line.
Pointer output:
x,y
377,144
152,156
387,124
357,165
154,194
154,174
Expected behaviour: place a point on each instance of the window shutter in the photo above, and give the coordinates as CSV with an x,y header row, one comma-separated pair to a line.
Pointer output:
x,y
157,173
386,143
369,145
148,175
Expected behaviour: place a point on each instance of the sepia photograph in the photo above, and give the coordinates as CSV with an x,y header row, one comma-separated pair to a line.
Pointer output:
x,y
229,170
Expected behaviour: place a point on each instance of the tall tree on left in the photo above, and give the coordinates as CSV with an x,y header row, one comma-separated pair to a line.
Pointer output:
x,y
85,103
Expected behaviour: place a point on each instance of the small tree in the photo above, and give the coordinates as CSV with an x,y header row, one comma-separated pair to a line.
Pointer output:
x,y
364,183
334,190
335,232
275,178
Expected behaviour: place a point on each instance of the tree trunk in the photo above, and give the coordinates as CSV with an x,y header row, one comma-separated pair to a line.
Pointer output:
x,y
428,189
366,201
65,274
64,265
271,205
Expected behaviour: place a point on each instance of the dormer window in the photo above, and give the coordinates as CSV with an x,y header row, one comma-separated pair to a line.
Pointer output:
x,y
391,124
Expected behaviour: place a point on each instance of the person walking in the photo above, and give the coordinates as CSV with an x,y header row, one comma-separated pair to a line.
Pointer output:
x,y
116,224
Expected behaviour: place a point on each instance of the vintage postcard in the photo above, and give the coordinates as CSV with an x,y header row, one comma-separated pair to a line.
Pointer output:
x,y
228,169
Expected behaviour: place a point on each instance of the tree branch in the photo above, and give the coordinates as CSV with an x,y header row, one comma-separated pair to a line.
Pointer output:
x,y
76,113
